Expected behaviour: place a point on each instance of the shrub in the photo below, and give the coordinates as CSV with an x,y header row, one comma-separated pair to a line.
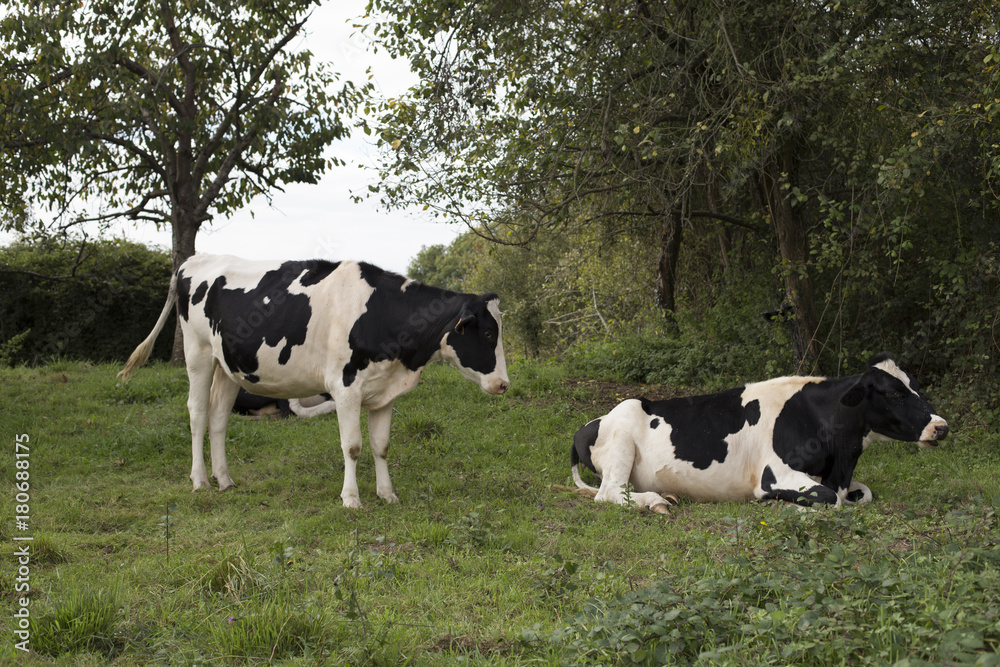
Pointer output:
x,y
90,300
727,343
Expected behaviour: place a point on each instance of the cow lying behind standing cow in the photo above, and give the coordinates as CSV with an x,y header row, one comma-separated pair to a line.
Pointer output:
x,y
260,406
298,328
796,439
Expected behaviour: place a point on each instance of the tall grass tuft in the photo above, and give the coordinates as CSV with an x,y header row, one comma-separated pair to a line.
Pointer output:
x,y
238,578
271,631
83,619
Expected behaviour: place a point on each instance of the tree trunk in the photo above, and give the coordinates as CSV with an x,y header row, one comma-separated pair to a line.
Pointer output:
x,y
184,232
666,264
793,247
715,206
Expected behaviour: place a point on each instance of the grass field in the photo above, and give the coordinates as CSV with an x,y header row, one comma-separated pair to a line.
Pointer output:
x,y
481,563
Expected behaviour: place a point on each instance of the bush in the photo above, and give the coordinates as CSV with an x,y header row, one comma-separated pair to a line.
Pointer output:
x,y
82,300
721,345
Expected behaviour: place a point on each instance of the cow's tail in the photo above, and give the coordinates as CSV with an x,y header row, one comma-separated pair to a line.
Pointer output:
x,y
141,353
574,461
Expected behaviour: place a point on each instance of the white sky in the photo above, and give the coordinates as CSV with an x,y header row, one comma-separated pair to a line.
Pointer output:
x,y
321,221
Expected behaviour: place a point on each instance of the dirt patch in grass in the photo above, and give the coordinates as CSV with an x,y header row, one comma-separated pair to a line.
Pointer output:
x,y
607,394
481,645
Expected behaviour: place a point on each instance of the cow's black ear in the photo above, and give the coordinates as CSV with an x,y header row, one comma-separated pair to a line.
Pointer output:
x,y
465,319
855,394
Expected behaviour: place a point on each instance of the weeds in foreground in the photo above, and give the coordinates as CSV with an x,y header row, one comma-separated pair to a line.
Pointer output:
x,y
803,597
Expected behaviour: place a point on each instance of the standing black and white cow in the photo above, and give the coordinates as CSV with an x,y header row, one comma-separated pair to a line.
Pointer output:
x,y
298,328
793,438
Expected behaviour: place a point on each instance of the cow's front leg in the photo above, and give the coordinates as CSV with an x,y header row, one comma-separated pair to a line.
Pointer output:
x,y
349,417
784,483
224,391
378,434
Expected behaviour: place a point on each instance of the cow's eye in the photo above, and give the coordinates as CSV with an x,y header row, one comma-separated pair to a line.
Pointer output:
x,y
489,335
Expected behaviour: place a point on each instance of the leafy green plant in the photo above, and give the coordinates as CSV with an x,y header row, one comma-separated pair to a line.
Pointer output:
x,y
811,597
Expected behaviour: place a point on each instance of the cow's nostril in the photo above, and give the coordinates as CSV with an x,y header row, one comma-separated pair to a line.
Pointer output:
x,y
940,431
503,387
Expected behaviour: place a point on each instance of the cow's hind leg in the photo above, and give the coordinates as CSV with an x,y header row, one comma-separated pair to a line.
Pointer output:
x,y
223,395
349,419
200,368
378,435
615,484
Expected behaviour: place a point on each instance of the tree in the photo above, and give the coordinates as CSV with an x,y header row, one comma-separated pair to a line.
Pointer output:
x,y
159,111
765,118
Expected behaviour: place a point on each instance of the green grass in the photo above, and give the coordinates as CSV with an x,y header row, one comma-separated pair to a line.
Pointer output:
x,y
481,563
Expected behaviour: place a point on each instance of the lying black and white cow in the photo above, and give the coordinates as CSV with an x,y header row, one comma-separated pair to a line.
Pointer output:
x,y
298,328
259,406
793,438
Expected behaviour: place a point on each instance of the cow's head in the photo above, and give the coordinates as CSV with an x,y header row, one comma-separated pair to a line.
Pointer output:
x,y
894,408
474,347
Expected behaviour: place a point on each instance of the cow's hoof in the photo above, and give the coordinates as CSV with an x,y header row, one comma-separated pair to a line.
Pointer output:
x,y
353,503
226,484
201,484
660,508
390,498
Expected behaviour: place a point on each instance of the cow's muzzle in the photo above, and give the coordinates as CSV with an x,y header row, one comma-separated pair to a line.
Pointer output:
x,y
933,432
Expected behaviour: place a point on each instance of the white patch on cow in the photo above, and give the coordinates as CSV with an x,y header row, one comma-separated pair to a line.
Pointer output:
x,y
266,300
239,273
616,458
873,437
500,373
384,381
406,283
890,367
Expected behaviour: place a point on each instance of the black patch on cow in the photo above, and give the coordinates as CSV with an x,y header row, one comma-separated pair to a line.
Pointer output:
x,y
183,290
317,273
582,443
409,324
265,314
817,434
700,424
654,423
199,293
767,479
